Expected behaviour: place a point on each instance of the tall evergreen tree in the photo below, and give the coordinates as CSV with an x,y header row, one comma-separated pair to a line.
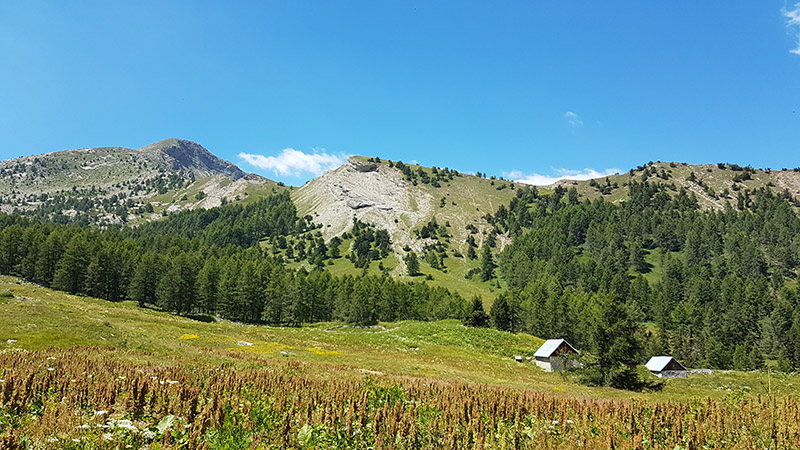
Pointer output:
x,y
208,285
412,263
70,271
176,289
617,344
477,316
504,313
145,279
487,264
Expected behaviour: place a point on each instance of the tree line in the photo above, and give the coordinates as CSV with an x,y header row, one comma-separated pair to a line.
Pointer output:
x,y
209,262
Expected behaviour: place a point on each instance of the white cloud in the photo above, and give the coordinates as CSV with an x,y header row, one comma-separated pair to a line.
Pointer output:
x,y
296,163
573,119
561,174
793,22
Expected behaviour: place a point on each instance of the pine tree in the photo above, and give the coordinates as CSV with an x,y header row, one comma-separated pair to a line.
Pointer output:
x,y
208,286
487,264
412,264
504,314
363,303
143,284
276,298
227,305
71,268
176,289
48,256
477,317
250,292
616,343
298,301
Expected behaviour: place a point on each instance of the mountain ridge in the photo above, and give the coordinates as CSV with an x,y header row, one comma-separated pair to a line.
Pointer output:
x,y
166,176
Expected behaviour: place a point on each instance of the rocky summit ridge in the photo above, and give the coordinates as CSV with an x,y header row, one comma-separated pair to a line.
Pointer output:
x,y
117,184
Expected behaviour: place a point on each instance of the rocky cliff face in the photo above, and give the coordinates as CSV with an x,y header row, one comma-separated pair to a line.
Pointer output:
x,y
373,193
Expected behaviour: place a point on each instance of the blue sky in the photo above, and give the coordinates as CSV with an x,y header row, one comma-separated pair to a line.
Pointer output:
x,y
522,89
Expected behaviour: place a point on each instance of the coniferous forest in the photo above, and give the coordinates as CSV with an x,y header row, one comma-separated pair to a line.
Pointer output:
x,y
715,289
209,262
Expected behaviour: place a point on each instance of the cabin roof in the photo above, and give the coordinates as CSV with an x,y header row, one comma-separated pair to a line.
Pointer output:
x,y
661,363
550,346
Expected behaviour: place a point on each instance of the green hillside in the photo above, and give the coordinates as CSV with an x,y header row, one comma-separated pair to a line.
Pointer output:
x,y
714,185
404,199
36,318
119,185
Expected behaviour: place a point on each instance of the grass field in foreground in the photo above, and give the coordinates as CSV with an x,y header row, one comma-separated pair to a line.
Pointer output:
x,y
79,373
40,318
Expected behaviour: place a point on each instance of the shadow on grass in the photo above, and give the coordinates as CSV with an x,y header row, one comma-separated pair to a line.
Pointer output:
x,y
201,318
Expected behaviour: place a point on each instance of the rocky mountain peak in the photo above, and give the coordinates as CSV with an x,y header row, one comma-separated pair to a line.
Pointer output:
x,y
190,156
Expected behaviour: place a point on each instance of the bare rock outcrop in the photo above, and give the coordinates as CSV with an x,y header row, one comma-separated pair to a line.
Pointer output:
x,y
371,192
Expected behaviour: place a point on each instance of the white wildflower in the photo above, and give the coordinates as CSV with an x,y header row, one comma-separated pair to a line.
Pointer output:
x,y
171,382
102,412
108,436
125,424
83,427
149,434
50,369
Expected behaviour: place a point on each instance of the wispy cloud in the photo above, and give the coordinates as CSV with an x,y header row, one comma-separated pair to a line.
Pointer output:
x,y
573,119
561,174
296,163
793,23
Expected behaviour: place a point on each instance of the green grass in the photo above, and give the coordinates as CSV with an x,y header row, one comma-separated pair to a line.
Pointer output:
x,y
710,175
39,318
453,279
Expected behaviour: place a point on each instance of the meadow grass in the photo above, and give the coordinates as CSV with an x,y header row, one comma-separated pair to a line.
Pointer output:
x,y
38,318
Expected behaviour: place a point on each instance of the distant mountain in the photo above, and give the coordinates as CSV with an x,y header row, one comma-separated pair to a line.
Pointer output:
x,y
115,184
714,185
443,216
189,157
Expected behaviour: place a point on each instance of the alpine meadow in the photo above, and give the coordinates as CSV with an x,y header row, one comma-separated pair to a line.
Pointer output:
x,y
399,226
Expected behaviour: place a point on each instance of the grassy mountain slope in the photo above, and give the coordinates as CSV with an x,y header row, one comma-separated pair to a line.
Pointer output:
x,y
714,185
378,192
112,184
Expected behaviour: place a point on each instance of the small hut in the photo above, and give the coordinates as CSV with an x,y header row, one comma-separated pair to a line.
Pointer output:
x,y
554,355
666,367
